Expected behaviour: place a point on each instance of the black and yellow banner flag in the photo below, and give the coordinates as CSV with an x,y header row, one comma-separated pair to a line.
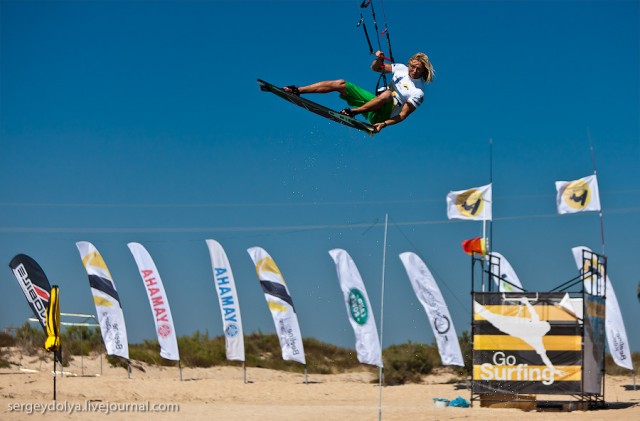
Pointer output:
x,y
52,343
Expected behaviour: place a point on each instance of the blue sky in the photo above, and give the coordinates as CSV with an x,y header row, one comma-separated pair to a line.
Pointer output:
x,y
142,121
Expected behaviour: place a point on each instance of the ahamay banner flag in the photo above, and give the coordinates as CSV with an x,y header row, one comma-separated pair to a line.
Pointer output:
x,y
228,298
158,301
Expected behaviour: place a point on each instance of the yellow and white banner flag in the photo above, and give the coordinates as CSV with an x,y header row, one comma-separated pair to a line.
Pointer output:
x,y
614,325
106,300
158,301
472,204
358,309
228,297
578,196
429,295
280,304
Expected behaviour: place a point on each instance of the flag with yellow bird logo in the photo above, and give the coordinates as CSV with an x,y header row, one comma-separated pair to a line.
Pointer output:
x,y
473,204
578,196
280,304
52,343
106,300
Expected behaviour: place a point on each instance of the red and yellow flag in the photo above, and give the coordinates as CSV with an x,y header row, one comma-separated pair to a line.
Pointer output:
x,y
478,245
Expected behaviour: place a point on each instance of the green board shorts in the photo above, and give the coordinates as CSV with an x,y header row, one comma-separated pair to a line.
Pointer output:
x,y
357,97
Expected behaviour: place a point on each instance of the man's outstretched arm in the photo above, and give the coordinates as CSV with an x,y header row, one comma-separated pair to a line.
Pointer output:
x,y
407,109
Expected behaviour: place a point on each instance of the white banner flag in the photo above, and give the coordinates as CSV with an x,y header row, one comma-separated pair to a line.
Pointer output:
x,y
473,204
578,196
106,300
614,325
506,279
428,293
228,299
158,301
358,308
280,304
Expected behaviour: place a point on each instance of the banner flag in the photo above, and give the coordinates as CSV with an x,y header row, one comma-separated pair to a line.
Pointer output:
x,y
473,204
52,343
158,301
512,284
594,339
280,304
429,295
358,308
614,324
578,196
34,284
228,298
106,300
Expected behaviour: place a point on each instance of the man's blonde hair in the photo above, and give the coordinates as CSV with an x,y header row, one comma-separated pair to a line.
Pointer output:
x,y
422,58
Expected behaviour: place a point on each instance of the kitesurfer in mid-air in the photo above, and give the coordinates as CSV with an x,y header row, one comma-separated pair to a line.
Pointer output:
x,y
389,107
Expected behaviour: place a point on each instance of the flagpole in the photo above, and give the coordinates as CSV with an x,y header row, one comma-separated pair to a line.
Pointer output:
x,y
491,183
484,237
384,260
595,173
244,370
54,375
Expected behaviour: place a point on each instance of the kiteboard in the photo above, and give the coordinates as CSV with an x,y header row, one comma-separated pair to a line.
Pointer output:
x,y
317,108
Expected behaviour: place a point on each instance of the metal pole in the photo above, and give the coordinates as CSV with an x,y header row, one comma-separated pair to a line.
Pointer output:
x,y
81,356
471,331
54,376
484,236
384,261
490,245
595,173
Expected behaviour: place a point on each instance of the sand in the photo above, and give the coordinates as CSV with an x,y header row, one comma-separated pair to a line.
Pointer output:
x,y
220,393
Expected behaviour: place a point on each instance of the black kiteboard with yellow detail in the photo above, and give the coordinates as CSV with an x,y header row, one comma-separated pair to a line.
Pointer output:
x,y
317,108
